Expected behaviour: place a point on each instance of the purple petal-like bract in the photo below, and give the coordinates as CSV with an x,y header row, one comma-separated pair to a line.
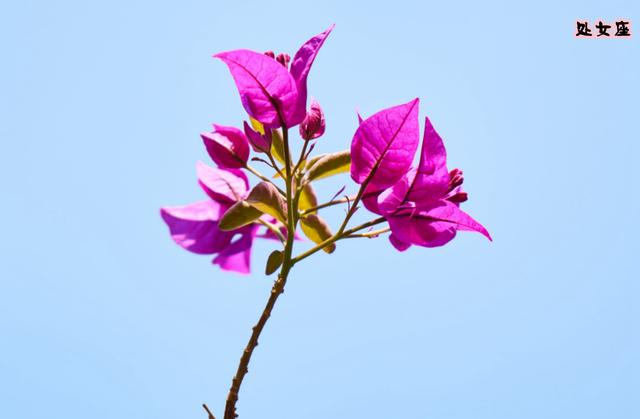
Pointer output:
x,y
227,146
432,178
393,197
222,185
236,256
384,145
370,199
434,225
421,231
259,142
267,90
424,184
195,226
422,203
398,244
300,67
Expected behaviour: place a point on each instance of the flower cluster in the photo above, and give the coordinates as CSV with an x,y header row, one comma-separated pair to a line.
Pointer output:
x,y
420,203
196,226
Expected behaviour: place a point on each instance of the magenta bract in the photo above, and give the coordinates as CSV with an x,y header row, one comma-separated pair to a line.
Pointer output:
x,y
222,185
268,91
227,146
300,67
384,145
195,226
261,143
421,204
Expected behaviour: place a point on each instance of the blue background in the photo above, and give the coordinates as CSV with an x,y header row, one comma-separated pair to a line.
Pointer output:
x,y
102,316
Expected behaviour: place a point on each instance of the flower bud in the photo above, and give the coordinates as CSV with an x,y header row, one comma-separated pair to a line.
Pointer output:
x,y
456,178
227,146
458,197
259,142
313,124
283,59
270,54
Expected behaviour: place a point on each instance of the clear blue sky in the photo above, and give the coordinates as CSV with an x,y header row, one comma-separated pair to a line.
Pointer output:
x,y
102,316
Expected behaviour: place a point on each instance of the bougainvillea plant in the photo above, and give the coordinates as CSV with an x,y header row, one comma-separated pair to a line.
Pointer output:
x,y
420,204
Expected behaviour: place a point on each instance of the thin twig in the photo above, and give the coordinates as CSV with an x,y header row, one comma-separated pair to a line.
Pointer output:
x,y
338,193
370,234
275,165
274,229
208,411
264,178
301,158
268,164
335,238
328,204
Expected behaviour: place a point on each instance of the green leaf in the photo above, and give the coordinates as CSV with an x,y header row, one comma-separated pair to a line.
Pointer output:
x,y
313,161
238,215
274,261
329,165
317,230
266,198
308,198
277,145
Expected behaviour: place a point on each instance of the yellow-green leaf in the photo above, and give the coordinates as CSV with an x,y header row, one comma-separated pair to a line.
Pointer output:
x,y
329,165
238,215
273,262
277,145
308,198
256,125
317,230
266,198
313,161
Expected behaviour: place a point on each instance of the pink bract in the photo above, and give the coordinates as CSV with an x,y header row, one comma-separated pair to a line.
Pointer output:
x,y
194,227
268,91
261,143
384,145
227,146
421,204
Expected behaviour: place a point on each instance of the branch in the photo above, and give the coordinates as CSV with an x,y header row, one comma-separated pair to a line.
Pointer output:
x,y
301,158
370,234
329,204
264,178
339,235
276,290
243,367
204,406
274,229
275,166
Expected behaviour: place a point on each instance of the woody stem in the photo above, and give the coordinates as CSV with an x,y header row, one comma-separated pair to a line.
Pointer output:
x,y
276,290
243,366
